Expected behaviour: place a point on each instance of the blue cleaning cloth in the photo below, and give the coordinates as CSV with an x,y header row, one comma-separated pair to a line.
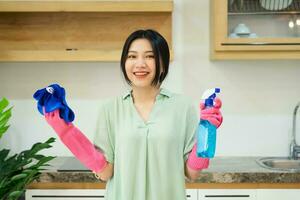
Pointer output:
x,y
52,98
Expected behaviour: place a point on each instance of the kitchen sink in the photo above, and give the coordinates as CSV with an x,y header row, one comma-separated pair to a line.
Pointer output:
x,y
280,163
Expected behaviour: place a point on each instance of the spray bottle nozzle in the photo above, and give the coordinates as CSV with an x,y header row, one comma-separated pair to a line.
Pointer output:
x,y
209,96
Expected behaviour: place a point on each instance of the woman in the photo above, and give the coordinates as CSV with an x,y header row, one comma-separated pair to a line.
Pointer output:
x,y
145,137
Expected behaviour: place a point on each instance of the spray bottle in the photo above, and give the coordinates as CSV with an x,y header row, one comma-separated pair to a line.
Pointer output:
x,y
206,133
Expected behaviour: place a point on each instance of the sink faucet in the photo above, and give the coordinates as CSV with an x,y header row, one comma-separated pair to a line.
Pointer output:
x,y
294,148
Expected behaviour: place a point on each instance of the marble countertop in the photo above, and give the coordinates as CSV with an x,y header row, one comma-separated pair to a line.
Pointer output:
x,y
221,170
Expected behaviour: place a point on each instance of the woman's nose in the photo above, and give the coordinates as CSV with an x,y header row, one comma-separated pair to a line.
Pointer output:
x,y
140,62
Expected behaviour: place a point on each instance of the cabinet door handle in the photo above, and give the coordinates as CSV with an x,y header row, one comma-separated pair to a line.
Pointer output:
x,y
229,196
67,196
258,44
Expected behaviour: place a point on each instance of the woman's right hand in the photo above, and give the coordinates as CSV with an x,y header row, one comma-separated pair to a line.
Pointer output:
x,y
58,124
106,173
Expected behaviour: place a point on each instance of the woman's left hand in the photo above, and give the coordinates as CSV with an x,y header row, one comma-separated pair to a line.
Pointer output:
x,y
212,114
106,173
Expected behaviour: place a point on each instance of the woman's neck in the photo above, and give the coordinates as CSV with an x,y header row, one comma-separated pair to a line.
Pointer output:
x,y
144,95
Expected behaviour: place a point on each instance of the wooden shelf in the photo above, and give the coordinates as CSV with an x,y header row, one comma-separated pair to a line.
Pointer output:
x,y
87,6
76,30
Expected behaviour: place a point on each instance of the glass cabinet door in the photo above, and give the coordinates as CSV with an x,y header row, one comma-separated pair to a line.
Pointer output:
x,y
271,27
263,19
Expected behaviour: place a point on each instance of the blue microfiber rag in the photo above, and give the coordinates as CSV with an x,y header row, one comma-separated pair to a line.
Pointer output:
x,y
52,98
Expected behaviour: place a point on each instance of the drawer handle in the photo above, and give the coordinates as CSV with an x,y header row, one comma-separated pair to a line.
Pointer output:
x,y
222,196
67,196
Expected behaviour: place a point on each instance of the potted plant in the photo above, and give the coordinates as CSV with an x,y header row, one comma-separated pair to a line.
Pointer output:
x,y
19,170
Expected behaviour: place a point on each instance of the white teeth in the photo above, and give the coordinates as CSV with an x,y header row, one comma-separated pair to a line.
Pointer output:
x,y
140,73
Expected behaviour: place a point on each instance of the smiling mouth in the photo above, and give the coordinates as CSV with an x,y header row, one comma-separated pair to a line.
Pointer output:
x,y
140,74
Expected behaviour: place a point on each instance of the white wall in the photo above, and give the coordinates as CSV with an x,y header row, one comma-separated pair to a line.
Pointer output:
x,y
258,96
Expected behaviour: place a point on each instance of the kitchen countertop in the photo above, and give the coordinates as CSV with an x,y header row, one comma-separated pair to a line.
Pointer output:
x,y
221,170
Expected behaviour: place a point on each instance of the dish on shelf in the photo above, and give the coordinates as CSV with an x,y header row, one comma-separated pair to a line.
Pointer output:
x,y
275,4
241,29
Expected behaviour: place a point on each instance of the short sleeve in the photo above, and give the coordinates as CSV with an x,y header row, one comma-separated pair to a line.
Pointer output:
x,y
191,127
103,139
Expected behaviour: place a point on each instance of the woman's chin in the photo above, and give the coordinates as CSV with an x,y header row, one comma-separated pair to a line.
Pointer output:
x,y
141,84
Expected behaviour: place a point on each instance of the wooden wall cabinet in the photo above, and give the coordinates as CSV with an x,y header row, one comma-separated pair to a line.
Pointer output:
x,y
275,38
78,30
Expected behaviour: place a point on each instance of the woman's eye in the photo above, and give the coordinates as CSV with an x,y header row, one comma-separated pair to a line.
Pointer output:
x,y
150,56
131,56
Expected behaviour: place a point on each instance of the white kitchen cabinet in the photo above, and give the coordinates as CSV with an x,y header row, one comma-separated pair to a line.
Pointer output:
x,y
81,194
191,194
227,194
62,194
278,194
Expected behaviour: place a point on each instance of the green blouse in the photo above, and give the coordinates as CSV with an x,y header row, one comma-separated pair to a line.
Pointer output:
x,y
148,156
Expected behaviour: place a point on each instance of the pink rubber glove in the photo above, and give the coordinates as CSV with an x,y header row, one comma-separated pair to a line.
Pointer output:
x,y
77,142
212,114
196,163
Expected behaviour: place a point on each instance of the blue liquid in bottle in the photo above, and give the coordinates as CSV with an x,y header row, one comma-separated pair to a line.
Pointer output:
x,y
206,139
207,132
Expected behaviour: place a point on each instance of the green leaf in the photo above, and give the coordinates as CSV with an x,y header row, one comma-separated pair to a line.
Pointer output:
x,y
5,115
3,121
3,182
39,146
45,160
15,194
3,130
19,176
38,156
36,148
28,171
3,103
50,140
3,154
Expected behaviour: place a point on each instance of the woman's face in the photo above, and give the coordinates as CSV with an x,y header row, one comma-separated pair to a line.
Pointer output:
x,y
140,63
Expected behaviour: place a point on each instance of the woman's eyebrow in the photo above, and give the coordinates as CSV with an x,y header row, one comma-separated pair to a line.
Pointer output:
x,y
137,52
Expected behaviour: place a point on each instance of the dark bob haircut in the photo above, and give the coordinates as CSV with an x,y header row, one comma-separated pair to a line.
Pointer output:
x,y
160,50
